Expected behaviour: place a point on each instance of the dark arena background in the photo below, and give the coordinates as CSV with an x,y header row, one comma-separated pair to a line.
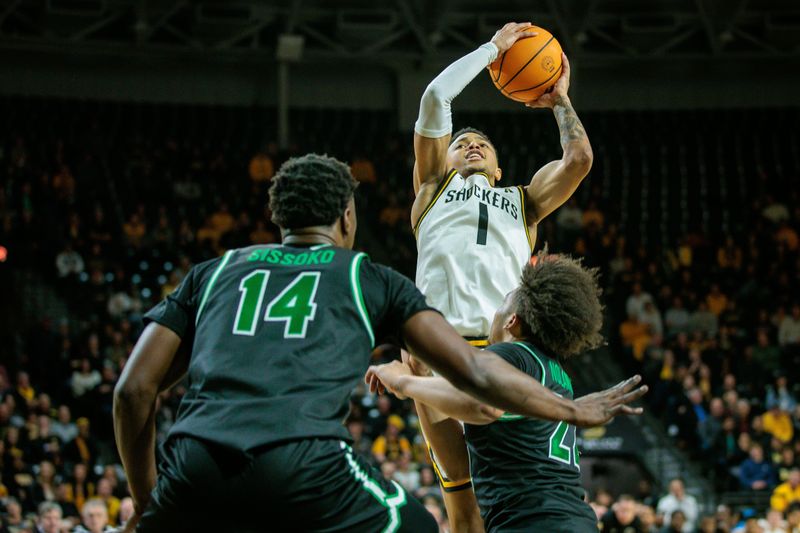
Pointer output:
x,y
139,138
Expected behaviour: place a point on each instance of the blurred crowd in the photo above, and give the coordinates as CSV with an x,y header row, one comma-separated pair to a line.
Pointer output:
x,y
714,328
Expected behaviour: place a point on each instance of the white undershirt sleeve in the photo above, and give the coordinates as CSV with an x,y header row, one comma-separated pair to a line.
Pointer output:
x,y
434,119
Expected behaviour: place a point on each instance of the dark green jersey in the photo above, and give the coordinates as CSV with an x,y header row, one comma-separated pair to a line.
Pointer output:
x,y
280,335
525,469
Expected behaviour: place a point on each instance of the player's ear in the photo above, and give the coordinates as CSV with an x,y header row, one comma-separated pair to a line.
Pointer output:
x,y
511,321
498,174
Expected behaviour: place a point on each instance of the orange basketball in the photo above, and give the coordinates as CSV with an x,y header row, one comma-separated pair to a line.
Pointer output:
x,y
529,68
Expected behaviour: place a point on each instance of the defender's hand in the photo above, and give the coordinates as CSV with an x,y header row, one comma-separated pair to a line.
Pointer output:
x,y
418,368
511,33
600,407
559,90
385,377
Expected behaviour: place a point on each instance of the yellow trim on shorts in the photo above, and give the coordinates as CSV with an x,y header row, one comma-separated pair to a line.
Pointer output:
x,y
524,217
447,485
442,187
480,343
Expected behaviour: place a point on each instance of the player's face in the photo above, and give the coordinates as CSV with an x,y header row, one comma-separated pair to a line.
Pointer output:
x,y
470,153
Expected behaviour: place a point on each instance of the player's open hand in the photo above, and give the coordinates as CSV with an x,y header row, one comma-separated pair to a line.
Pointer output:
x,y
600,407
511,33
418,368
559,91
381,378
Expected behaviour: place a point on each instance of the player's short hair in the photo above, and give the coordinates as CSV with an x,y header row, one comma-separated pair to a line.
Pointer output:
x,y
312,190
470,129
558,302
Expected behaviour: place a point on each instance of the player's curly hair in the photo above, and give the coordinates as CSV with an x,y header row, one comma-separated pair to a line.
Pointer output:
x,y
559,304
312,190
470,129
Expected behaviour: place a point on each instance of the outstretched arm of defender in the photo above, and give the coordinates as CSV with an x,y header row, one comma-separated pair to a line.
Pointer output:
x,y
434,124
554,183
435,392
491,380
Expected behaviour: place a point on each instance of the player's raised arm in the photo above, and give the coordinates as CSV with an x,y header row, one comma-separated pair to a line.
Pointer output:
x,y
493,381
554,183
434,124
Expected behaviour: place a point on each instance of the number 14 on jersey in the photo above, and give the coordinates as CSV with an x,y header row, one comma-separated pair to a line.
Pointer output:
x,y
294,305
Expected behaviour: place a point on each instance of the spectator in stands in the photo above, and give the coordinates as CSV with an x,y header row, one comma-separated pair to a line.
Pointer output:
x,y
112,503
363,170
126,510
773,523
84,379
80,488
651,317
44,490
787,236
569,221
261,167
716,300
778,423
428,483
765,353
63,427
647,517
69,510
407,476
69,263
729,255
14,519
789,330
134,231
755,472
361,443
678,501
704,321
95,517
786,493
676,318
635,336
622,517
49,518
775,211
593,217
786,464
637,300
391,444
779,394
793,518
711,428
677,523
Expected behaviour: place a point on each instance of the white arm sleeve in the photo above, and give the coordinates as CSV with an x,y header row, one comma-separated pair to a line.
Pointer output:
x,y
434,119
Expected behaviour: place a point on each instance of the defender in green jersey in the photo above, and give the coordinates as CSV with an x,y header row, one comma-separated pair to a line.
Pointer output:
x,y
273,339
526,471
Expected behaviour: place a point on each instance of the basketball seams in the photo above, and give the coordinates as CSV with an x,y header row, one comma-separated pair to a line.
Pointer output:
x,y
558,70
528,63
500,69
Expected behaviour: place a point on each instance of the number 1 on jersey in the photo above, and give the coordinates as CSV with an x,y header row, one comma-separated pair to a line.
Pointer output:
x,y
483,223
294,305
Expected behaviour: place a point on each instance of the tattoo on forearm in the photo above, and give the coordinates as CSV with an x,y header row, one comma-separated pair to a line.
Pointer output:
x,y
568,123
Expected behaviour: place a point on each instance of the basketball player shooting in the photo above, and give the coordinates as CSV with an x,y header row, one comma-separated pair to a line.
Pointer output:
x,y
474,238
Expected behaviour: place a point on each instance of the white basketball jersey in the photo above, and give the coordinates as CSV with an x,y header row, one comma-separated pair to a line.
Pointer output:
x,y
472,243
